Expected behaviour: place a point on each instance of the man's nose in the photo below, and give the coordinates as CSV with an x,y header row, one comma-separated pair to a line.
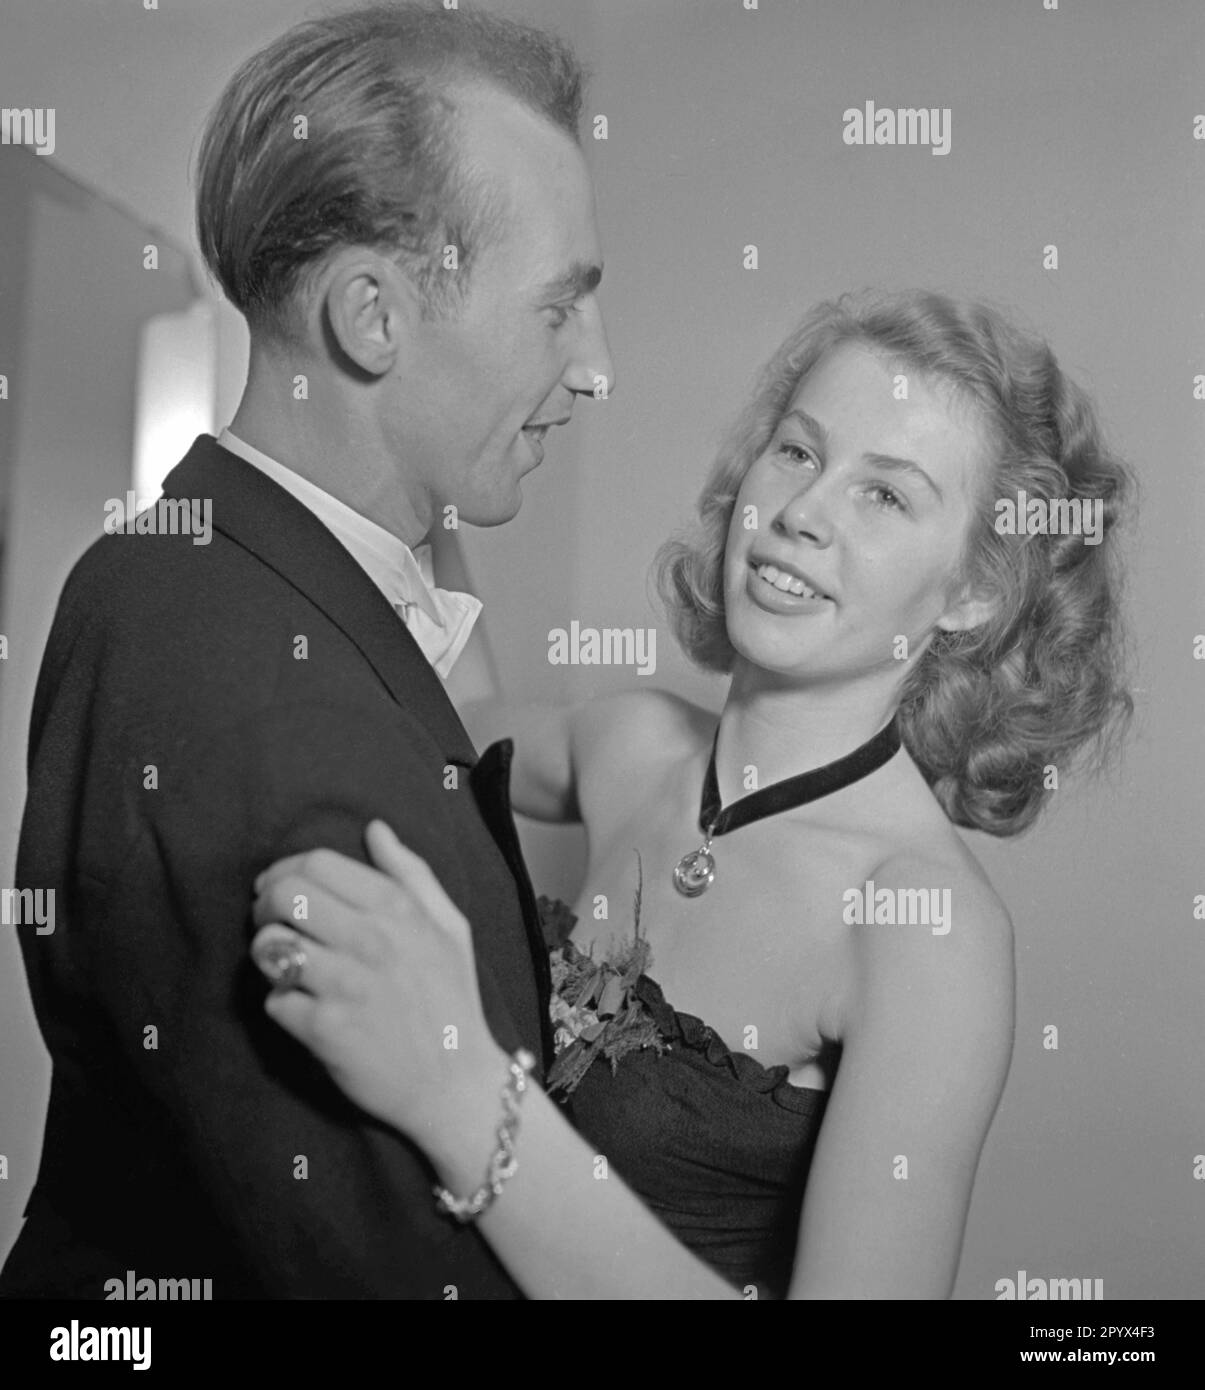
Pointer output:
x,y
590,370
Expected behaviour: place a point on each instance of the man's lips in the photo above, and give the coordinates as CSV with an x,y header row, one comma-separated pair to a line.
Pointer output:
x,y
546,424
535,431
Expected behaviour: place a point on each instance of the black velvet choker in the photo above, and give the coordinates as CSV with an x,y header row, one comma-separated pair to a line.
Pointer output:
x,y
695,872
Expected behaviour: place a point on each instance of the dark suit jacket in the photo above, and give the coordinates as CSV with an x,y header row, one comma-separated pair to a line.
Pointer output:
x,y
178,746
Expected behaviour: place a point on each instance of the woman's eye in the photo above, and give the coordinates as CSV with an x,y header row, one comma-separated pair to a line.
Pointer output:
x,y
893,500
797,452
560,314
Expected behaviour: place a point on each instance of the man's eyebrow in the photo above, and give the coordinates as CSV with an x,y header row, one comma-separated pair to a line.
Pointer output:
x,y
578,280
886,461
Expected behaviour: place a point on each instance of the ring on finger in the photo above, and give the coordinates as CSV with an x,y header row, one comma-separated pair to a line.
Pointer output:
x,y
282,960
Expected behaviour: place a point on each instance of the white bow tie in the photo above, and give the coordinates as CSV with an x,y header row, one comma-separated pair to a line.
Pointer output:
x,y
439,620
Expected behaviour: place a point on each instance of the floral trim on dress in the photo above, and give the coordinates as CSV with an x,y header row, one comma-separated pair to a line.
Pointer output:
x,y
595,1009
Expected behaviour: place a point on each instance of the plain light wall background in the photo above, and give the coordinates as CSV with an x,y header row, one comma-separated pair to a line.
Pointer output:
x,y
1071,127
74,298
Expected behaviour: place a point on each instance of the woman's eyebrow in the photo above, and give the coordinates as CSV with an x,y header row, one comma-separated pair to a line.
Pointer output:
x,y
809,422
887,461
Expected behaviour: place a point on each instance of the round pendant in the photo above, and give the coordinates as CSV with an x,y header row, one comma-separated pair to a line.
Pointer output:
x,y
694,873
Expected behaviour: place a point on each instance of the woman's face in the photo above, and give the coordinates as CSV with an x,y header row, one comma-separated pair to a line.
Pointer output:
x,y
849,527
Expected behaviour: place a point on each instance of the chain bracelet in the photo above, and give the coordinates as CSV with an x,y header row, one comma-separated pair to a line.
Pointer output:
x,y
503,1164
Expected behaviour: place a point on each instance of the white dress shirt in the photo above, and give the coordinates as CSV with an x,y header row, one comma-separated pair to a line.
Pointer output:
x,y
439,620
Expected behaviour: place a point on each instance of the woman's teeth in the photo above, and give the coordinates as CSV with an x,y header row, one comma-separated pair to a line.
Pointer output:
x,y
786,582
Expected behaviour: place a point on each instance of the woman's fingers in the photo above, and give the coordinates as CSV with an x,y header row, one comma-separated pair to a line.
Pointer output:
x,y
357,884
413,874
329,895
297,1013
308,907
295,963
387,961
321,997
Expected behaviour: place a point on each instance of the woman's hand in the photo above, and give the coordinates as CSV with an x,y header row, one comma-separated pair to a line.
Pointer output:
x,y
387,996
388,970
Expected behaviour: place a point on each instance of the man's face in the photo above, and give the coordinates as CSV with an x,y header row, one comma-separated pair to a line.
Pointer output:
x,y
479,388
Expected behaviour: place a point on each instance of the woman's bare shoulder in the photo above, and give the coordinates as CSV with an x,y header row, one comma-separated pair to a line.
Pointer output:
x,y
934,919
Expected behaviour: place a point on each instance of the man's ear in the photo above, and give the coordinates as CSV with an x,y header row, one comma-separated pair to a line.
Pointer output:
x,y
370,307
972,608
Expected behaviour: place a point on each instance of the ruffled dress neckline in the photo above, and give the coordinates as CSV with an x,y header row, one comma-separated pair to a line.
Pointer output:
x,y
691,1032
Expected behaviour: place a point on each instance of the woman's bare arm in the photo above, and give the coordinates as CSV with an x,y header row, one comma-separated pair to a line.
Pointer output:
x,y
926,1052
558,746
927,1048
543,779
566,1226
927,1039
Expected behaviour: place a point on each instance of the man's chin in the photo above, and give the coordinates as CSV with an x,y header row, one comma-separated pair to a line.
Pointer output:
x,y
509,514
497,513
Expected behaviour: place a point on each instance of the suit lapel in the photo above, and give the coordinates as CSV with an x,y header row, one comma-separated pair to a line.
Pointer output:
x,y
490,781
254,512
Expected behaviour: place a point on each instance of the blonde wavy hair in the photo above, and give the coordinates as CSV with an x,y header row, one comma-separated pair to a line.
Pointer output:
x,y
983,712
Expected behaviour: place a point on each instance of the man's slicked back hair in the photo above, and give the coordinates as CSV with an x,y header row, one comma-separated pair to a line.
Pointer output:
x,y
344,132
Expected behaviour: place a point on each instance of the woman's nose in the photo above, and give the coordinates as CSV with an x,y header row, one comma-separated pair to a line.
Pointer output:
x,y
808,512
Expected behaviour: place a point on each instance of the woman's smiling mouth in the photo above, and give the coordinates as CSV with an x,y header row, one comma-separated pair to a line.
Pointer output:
x,y
782,589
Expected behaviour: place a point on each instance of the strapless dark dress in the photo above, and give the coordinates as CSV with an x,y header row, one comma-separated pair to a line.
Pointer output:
x,y
717,1145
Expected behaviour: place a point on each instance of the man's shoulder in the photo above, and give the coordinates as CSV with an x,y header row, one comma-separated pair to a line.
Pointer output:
x,y
210,652
137,570
198,638
162,607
